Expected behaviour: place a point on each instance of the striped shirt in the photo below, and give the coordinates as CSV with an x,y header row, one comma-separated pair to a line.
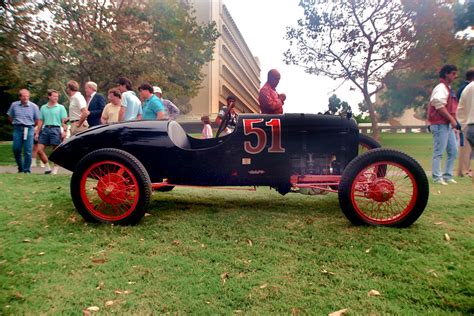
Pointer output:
x,y
24,114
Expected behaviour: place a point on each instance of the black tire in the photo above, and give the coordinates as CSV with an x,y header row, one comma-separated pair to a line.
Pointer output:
x,y
396,198
367,143
111,186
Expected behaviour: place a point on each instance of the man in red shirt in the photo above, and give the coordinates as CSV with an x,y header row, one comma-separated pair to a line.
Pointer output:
x,y
270,101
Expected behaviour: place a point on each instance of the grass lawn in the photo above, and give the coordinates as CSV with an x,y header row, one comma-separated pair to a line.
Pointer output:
x,y
231,252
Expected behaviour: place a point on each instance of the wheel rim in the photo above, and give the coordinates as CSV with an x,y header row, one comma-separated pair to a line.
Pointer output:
x,y
109,190
384,199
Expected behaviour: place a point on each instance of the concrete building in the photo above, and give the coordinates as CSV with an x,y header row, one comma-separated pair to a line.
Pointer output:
x,y
234,69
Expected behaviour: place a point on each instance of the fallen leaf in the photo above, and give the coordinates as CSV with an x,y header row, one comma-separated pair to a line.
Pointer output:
x,y
26,240
339,312
93,308
263,286
250,242
41,254
176,242
118,292
100,286
433,273
367,250
295,311
224,277
127,292
446,237
131,282
147,214
238,311
109,303
99,260
86,312
439,223
18,295
373,293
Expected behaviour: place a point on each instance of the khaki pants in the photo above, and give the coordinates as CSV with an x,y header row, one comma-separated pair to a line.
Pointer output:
x,y
464,161
77,129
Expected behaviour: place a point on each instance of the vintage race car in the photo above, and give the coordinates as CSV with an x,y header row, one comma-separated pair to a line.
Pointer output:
x,y
116,167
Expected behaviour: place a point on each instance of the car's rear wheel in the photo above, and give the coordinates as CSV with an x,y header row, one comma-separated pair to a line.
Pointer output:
x,y
397,197
367,143
111,186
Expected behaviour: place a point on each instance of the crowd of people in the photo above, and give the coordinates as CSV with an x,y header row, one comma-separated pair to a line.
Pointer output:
x,y
35,128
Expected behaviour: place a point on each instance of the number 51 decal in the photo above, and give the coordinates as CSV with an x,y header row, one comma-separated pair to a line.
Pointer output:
x,y
249,129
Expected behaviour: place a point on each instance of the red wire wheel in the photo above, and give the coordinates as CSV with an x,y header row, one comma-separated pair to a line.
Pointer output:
x,y
396,197
109,190
111,186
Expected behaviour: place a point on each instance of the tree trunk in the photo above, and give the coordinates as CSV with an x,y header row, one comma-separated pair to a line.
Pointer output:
x,y
373,117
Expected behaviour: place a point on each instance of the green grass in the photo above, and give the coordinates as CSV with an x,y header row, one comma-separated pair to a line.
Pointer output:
x,y
419,146
6,154
225,252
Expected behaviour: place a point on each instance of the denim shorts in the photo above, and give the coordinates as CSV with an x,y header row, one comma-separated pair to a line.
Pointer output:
x,y
50,135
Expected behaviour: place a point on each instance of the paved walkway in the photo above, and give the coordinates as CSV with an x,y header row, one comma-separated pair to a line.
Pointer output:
x,y
36,170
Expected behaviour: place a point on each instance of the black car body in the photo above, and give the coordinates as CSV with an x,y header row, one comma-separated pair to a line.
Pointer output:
x,y
287,152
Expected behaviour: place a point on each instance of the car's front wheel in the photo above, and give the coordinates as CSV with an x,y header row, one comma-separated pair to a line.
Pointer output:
x,y
395,197
111,186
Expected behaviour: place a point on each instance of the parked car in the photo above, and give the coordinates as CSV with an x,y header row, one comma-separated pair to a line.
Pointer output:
x,y
116,167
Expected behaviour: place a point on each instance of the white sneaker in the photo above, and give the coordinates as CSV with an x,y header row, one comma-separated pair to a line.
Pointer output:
x,y
452,181
55,170
41,164
440,181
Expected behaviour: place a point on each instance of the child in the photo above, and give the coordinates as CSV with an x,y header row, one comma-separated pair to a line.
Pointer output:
x,y
207,129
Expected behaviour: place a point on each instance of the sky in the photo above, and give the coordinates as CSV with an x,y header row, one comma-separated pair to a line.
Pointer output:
x,y
263,24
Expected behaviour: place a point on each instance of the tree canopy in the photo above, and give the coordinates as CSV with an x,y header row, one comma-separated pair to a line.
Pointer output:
x,y
355,40
435,45
159,41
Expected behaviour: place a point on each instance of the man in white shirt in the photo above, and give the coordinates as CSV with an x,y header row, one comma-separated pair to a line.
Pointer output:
x,y
171,109
466,110
442,118
77,108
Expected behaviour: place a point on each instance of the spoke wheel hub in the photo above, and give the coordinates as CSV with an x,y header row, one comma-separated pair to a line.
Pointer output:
x,y
381,190
112,188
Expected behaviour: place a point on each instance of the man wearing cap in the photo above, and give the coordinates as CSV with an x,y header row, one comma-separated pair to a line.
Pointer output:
x,y
270,101
24,115
95,103
171,109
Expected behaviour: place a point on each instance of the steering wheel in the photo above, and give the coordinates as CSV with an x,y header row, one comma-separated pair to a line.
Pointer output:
x,y
224,122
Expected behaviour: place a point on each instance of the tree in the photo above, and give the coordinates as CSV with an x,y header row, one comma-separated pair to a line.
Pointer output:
x,y
336,106
464,14
158,41
356,40
436,44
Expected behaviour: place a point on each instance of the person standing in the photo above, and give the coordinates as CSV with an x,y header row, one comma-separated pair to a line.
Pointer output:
x,y
24,115
171,109
77,108
442,118
110,114
270,101
207,129
95,103
52,128
153,109
131,104
465,152
466,113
